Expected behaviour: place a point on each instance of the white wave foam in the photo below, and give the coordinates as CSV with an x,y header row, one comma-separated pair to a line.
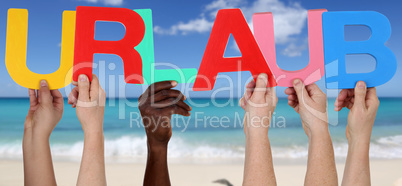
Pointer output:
x,y
132,147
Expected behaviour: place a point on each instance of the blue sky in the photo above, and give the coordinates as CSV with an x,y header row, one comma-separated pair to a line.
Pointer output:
x,y
181,32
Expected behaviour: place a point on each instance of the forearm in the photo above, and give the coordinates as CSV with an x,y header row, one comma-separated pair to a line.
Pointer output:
x,y
38,166
92,170
321,169
357,168
157,172
258,166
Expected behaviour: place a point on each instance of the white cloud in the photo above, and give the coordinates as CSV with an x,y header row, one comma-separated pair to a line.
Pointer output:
x,y
107,2
292,50
289,20
199,25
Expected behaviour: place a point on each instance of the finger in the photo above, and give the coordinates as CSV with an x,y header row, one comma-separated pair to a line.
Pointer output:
x,y
341,97
83,86
292,97
313,89
175,109
292,103
57,97
73,96
95,88
301,92
360,94
290,91
171,101
261,86
249,89
270,91
371,98
156,87
251,84
44,93
33,100
164,94
271,95
242,103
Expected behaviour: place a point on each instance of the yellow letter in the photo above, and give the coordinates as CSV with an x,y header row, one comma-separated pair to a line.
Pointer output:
x,y
16,51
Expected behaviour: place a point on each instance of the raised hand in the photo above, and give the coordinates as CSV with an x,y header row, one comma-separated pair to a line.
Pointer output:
x,y
311,104
157,105
363,104
259,102
45,111
89,100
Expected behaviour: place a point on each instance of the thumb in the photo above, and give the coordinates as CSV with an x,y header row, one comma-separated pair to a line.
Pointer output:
x,y
360,94
301,92
83,88
44,93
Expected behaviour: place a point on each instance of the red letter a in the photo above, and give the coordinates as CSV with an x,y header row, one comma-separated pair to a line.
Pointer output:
x,y
230,21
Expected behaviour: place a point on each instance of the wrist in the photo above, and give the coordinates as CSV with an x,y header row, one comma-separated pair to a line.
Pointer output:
x,y
319,133
157,147
36,135
256,139
93,134
359,143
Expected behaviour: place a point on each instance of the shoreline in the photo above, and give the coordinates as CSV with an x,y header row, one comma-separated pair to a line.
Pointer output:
x,y
383,172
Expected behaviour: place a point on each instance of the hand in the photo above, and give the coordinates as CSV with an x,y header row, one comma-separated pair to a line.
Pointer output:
x,y
157,104
45,111
311,103
259,102
363,104
89,99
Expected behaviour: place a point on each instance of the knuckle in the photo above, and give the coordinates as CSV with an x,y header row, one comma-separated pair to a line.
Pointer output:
x,y
148,110
164,92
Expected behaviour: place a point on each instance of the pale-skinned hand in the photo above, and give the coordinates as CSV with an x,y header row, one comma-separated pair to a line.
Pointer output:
x,y
311,104
363,104
259,102
89,99
45,111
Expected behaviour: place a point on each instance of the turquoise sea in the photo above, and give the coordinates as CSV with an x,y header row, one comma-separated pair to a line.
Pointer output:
x,y
213,131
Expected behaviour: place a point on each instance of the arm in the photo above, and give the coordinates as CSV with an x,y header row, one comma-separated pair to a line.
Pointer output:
x,y
46,110
363,104
259,102
311,103
90,108
157,104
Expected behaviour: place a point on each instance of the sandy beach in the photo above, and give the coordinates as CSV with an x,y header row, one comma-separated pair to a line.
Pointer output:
x,y
383,172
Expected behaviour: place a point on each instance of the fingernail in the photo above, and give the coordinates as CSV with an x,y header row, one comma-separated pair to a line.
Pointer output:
x,y
262,76
361,85
185,97
296,83
83,78
174,83
43,83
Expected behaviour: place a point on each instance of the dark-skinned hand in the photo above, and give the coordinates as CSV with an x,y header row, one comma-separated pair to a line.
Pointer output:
x,y
157,105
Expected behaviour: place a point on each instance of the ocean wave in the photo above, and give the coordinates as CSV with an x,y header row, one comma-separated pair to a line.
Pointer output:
x,y
134,148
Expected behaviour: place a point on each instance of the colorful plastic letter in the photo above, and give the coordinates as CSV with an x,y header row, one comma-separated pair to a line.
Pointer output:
x,y
16,51
335,49
230,21
146,50
86,45
264,34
